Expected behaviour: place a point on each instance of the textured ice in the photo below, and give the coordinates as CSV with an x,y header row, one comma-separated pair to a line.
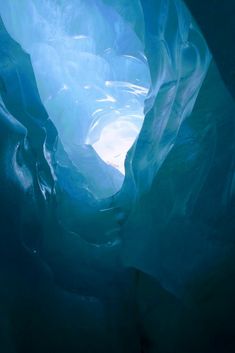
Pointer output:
x,y
93,75
90,68
150,268
93,66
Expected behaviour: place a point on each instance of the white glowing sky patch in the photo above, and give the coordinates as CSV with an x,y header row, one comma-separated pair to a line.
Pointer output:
x,y
115,140
115,127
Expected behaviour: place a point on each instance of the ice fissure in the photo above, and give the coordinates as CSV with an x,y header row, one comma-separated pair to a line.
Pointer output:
x,y
94,78
117,189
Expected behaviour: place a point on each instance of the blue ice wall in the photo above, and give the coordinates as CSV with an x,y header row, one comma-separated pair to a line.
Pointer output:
x,y
93,77
90,69
151,268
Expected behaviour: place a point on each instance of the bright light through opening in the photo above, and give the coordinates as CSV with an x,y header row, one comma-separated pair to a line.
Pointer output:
x,y
115,140
115,128
91,71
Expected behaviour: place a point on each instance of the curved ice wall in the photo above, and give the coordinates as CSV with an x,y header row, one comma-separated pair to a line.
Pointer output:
x,y
90,68
93,77
178,58
180,229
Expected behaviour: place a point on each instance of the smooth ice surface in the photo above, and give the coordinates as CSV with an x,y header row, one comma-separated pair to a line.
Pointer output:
x,y
90,69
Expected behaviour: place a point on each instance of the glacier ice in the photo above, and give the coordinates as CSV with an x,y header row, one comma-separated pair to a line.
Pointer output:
x,y
94,78
90,68
148,269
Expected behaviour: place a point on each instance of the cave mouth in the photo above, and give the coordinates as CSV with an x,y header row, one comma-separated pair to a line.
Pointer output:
x,y
91,72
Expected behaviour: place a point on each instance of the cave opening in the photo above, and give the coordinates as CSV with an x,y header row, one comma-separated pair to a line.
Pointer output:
x,y
92,75
101,66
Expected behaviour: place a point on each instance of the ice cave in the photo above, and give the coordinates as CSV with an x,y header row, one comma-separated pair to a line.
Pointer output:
x,y
117,176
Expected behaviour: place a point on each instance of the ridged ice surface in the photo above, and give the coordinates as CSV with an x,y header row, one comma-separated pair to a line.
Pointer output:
x,y
150,269
178,57
90,68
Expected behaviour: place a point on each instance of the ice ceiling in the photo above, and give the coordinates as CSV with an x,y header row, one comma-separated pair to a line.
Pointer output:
x,y
109,71
148,269
91,71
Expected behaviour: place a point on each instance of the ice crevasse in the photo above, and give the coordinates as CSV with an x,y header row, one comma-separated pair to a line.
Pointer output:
x,y
100,67
116,179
